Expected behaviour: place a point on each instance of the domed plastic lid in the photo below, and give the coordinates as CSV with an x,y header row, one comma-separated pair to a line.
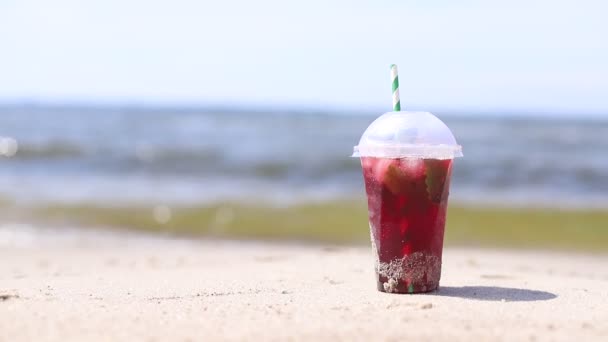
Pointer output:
x,y
408,134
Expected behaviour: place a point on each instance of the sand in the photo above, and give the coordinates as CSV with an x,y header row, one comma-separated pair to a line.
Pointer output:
x,y
72,286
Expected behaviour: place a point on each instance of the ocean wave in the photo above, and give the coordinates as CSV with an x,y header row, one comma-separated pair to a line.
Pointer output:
x,y
575,173
50,150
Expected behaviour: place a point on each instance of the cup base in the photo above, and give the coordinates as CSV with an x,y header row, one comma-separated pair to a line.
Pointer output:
x,y
392,286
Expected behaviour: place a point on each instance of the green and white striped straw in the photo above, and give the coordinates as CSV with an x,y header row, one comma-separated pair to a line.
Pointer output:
x,y
395,79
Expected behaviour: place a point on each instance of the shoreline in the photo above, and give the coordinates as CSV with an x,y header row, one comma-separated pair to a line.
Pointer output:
x,y
336,222
466,199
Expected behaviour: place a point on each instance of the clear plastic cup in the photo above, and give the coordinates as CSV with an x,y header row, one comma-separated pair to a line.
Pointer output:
x,y
406,159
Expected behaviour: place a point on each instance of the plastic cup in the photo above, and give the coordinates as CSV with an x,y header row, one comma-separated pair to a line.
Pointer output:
x,y
406,159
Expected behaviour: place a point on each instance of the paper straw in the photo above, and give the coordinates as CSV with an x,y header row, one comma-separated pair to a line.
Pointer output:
x,y
395,81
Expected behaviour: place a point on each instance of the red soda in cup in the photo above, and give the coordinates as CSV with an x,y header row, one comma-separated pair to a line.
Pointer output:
x,y
406,159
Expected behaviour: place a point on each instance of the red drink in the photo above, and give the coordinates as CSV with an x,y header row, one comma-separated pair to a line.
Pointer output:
x,y
407,202
407,165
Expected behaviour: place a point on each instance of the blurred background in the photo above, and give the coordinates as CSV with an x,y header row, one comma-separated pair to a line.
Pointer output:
x,y
237,118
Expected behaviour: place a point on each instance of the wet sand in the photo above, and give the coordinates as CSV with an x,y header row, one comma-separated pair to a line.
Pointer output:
x,y
86,286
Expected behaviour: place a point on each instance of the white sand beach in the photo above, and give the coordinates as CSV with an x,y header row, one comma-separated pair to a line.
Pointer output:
x,y
75,286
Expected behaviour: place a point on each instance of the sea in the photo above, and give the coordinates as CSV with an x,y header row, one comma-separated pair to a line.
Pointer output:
x,y
115,155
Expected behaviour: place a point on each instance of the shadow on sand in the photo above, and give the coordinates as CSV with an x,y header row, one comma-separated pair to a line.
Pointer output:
x,y
494,293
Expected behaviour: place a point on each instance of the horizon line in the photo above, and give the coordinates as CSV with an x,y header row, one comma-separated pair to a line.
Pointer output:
x,y
208,106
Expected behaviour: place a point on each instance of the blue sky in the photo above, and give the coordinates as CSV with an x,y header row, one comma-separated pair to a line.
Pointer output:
x,y
521,55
